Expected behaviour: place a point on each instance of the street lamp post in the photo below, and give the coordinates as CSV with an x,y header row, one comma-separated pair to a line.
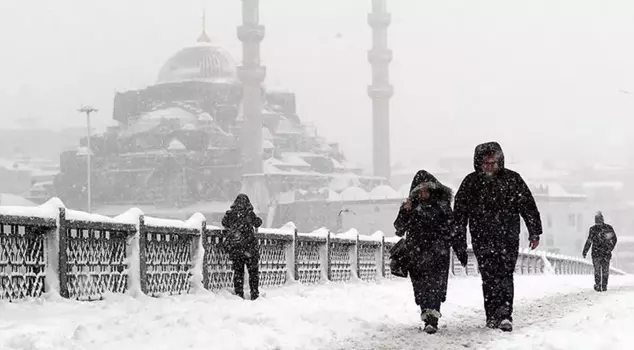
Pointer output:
x,y
87,110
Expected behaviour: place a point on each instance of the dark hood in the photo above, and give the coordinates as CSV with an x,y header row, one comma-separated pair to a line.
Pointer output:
x,y
598,218
437,191
487,149
242,202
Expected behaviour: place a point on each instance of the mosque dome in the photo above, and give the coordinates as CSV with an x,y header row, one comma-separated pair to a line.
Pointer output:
x,y
204,61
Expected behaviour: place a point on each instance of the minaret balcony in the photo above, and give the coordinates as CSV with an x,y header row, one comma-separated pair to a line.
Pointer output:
x,y
379,20
380,56
251,33
379,92
252,74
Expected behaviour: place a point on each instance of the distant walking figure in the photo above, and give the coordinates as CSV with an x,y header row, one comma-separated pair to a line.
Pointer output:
x,y
602,239
241,222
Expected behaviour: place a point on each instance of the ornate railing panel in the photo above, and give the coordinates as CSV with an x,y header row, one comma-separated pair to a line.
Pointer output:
x,y
273,266
340,261
96,259
308,263
168,261
22,259
367,264
387,272
217,267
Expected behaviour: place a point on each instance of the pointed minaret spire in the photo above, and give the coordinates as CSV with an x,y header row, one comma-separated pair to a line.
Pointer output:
x,y
204,38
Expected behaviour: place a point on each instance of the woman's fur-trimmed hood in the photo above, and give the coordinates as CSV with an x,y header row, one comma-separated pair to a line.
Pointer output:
x,y
437,191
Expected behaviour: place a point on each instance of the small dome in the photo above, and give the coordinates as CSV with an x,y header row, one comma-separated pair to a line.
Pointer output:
x,y
201,62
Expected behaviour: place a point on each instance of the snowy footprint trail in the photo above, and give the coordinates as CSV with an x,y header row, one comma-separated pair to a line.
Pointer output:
x,y
537,307
330,316
600,322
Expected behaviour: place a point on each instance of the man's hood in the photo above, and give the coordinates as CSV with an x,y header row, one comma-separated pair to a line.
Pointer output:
x,y
487,149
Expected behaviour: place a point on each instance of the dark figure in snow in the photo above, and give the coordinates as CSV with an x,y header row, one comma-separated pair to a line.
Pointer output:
x,y
490,201
240,223
602,238
427,219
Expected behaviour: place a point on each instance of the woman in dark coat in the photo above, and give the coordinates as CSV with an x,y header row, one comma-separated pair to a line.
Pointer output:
x,y
427,219
240,223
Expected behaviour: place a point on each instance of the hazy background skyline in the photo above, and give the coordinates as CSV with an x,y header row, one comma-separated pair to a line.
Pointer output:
x,y
543,77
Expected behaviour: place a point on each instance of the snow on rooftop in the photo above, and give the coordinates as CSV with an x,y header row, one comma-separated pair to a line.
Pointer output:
x,y
176,145
354,194
384,192
616,185
293,160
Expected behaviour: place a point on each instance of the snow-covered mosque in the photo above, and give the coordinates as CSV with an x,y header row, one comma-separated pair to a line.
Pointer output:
x,y
176,148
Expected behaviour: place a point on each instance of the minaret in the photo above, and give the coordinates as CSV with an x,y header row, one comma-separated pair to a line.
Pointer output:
x,y
380,91
252,74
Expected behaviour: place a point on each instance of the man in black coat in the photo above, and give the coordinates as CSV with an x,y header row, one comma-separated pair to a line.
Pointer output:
x,y
603,239
241,244
490,201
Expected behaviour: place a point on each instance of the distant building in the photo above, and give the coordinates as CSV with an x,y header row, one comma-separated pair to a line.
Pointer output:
x,y
177,143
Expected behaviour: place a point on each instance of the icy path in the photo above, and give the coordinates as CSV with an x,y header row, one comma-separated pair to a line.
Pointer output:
x,y
333,316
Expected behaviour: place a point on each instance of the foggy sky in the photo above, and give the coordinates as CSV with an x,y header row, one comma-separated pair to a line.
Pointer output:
x,y
541,76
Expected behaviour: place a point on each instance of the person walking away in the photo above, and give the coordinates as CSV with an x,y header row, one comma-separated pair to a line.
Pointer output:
x,y
241,223
602,239
490,201
426,218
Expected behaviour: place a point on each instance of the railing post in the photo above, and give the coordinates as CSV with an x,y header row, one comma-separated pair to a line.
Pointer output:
x,y
143,254
354,265
382,258
198,266
295,268
324,259
63,255
328,257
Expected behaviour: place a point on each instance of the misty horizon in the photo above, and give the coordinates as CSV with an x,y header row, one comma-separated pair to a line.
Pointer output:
x,y
543,78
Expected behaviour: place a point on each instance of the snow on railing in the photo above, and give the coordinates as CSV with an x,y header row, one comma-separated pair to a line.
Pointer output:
x,y
53,251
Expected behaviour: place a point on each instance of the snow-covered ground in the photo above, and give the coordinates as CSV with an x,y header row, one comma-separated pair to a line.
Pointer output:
x,y
332,316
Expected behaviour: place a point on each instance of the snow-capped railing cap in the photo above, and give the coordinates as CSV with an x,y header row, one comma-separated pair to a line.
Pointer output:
x,y
48,210
88,217
288,229
196,221
378,235
350,234
130,216
369,238
157,222
320,232
393,239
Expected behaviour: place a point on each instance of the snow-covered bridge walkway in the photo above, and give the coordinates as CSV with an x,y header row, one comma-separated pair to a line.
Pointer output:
x,y
552,312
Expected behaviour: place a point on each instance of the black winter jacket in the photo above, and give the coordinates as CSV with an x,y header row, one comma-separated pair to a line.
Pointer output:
x,y
240,223
492,205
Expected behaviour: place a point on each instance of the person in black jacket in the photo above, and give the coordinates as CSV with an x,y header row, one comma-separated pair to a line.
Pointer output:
x,y
603,239
490,201
426,217
240,223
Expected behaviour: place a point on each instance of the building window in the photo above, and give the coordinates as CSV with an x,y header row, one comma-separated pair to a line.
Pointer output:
x,y
549,221
579,223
